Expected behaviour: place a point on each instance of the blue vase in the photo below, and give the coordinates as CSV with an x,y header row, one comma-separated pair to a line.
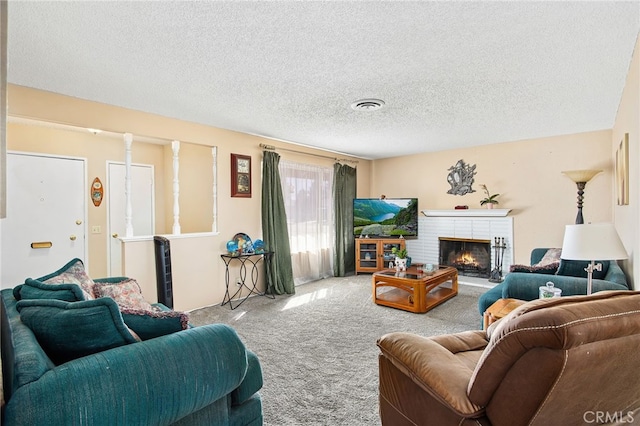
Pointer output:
x,y
232,247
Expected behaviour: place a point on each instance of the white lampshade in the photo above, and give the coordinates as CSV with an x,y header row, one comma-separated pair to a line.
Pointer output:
x,y
593,241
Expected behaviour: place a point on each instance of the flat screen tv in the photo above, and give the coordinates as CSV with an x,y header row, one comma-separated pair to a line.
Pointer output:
x,y
389,217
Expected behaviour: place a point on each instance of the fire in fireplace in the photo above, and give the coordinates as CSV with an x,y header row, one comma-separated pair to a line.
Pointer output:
x,y
470,257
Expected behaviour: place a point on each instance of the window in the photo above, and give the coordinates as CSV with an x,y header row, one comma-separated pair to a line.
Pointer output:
x,y
308,200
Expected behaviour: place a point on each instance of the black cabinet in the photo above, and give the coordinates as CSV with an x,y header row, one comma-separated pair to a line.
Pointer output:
x,y
163,271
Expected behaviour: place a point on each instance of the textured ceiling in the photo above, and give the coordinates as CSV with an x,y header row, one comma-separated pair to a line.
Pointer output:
x,y
452,74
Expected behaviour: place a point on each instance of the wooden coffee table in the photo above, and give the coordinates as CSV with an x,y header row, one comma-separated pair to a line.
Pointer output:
x,y
413,291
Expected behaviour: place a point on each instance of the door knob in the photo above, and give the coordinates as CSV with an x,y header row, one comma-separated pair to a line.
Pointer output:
x,y
72,237
78,222
114,235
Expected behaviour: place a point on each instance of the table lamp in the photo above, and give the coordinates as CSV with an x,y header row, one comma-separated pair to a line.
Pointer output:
x,y
581,177
597,241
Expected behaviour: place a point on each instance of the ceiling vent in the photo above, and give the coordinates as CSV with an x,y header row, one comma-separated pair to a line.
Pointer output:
x,y
367,105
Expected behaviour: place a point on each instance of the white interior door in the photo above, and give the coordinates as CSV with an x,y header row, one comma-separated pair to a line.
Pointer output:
x,y
45,225
142,203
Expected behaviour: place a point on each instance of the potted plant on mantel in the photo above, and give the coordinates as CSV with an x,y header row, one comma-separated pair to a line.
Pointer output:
x,y
490,200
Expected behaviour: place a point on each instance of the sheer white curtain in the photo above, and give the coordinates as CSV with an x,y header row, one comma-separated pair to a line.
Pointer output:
x,y
308,202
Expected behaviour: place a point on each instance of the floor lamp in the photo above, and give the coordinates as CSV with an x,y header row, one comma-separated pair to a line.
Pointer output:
x,y
597,241
581,177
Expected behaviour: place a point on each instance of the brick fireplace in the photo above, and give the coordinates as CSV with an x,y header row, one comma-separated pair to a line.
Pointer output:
x,y
472,224
470,257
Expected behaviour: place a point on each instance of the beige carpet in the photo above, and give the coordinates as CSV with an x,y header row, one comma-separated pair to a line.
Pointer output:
x,y
318,347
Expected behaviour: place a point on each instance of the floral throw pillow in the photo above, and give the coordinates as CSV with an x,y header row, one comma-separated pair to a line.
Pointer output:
x,y
72,273
127,294
552,256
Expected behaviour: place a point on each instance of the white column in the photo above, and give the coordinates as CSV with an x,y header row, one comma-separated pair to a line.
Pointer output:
x,y
128,210
175,147
214,154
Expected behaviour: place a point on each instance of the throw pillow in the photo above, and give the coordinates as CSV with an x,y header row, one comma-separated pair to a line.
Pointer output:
x,y
550,257
70,330
72,273
550,268
576,268
34,289
127,294
148,325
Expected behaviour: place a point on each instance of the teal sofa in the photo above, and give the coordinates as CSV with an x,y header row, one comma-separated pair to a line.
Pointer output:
x,y
198,376
526,285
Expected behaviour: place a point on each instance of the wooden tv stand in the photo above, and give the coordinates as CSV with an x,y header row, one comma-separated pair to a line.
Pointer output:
x,y
374,254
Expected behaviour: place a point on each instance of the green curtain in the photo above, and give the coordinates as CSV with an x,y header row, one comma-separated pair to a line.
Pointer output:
x,y
344,191
278,271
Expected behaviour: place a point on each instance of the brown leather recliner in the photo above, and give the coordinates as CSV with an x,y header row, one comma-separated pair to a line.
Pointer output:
x,y
565,361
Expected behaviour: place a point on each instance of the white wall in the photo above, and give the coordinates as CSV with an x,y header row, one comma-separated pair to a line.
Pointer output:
x,y
195,266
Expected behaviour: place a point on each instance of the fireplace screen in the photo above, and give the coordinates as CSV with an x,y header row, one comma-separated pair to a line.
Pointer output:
x,y
470,257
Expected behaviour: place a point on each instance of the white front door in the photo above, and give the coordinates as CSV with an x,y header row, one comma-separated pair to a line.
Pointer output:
x,y
45,225
142,205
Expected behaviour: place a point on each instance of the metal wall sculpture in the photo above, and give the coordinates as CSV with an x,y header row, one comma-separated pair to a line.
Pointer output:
x,y
460,178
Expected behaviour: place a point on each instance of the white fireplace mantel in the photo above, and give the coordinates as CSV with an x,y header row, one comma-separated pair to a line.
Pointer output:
x,y
467,213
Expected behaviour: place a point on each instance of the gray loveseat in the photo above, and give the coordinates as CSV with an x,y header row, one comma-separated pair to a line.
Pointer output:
x,y
525,285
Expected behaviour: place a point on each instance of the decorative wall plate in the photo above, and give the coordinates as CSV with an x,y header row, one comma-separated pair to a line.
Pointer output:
x,y
244,242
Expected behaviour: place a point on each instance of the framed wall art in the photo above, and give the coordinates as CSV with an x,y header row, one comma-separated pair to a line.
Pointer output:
x,y
622,171
240,176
